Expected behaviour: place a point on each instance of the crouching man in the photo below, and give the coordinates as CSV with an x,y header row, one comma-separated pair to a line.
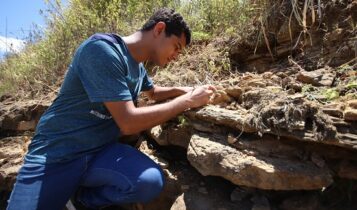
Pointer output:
x,y
75,151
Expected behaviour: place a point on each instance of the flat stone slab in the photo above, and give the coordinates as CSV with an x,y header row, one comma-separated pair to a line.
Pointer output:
x,y
211,155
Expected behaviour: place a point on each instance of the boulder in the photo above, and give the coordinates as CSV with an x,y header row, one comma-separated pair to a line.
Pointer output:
x,y
211,155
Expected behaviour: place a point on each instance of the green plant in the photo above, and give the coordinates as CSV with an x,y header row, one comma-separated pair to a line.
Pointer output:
x,y
307,88
182,121
351,84
200,36
331,94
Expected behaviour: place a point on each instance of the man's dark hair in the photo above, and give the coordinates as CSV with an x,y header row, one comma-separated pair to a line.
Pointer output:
x,y
174,23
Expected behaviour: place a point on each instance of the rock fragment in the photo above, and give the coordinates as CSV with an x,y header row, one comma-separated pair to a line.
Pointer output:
x,y
319,77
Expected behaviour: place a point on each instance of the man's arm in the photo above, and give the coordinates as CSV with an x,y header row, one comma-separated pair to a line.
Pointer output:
x,y
158,93
131,119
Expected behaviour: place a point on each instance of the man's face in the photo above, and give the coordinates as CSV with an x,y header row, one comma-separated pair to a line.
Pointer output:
x,y
166,48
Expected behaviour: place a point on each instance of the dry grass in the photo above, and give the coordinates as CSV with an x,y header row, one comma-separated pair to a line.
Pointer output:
x,y
198,65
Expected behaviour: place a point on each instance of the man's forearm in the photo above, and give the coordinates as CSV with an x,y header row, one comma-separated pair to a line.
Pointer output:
x,y
132,120
139,119
163,93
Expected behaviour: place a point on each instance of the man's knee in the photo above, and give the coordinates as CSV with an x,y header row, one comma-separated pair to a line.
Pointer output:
x,y
150,184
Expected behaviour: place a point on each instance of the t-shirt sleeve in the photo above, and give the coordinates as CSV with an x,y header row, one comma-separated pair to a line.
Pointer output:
x,y
102,72
147,82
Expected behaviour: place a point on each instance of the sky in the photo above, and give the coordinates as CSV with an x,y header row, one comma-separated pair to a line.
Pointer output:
x,y
17,18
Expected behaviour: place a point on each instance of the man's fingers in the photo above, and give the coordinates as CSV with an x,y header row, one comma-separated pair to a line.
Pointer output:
x,y
210,92
210,87
213,88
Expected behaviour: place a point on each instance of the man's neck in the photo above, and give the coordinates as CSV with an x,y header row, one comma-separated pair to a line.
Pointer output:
x,y
138,46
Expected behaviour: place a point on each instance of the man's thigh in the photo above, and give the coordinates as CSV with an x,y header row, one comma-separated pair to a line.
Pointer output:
x,y
122,160
128,171
40,186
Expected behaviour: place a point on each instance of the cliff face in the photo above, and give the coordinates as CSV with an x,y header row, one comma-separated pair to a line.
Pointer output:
x,y
285,120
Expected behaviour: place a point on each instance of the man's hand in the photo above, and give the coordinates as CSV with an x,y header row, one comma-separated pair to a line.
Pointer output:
x,y
200,96
186,89
131,119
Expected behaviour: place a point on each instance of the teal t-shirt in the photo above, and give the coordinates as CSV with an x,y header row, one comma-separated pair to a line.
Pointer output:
x,y
78,122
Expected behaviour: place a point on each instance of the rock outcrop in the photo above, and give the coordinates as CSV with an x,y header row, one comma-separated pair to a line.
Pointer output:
x,y
212,155
268,140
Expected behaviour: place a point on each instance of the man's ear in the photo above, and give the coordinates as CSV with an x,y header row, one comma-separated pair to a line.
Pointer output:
x,y
159,28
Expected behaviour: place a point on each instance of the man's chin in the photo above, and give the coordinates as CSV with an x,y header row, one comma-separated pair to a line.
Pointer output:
x,y
153,63
159,63
162,64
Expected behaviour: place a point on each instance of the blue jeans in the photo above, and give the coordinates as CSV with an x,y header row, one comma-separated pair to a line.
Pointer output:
x,y
118,174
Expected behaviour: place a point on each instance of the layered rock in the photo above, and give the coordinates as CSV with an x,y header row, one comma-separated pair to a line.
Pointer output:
x,y
296,148
21,116
211,155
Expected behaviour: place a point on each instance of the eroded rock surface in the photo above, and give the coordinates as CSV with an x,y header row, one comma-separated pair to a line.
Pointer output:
x,y
212,156
12,152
